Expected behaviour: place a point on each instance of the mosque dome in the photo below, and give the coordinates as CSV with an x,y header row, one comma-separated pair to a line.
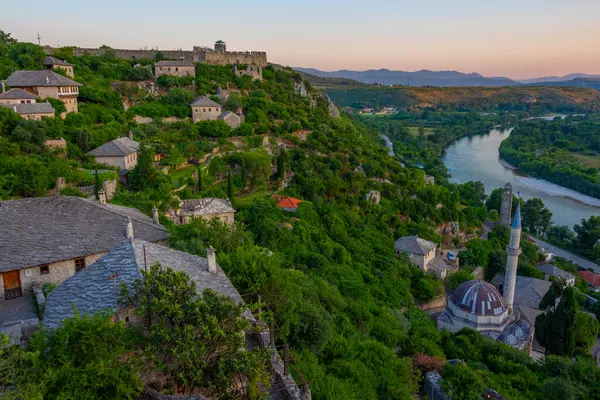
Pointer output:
x,y
479,298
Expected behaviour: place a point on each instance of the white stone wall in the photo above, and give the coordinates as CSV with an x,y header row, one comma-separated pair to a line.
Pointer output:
x,y
206,113
58,272
223,217
175,71
47,91
114,161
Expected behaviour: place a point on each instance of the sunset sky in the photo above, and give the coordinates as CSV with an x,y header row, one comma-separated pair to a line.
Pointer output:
x,y
518,39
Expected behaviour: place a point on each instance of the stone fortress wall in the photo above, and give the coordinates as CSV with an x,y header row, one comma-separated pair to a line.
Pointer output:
x,y
197,54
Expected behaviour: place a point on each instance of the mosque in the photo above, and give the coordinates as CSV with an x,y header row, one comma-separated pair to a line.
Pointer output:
x,y
480,306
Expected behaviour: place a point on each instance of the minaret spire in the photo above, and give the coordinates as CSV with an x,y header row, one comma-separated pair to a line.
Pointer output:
x,y
513,251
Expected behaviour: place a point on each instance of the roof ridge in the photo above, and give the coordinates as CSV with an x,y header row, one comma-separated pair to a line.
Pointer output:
x,y
156,226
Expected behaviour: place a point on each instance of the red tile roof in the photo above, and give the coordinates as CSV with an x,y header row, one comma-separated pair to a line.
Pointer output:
x,y
289,202
592,278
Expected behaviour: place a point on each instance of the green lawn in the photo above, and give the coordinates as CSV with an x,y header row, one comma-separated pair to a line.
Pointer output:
x,y
414,130
178,176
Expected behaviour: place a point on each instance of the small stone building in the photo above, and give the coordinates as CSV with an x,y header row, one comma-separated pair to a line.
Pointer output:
x,y
47,83
174,68
429,180
93,290
54,63
253,71
207,209
121,152
420,252
54,144
33,111
233,120
550,270
49,239
25,104
204,109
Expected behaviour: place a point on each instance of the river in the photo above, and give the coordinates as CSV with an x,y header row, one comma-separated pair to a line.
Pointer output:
x,y
476,158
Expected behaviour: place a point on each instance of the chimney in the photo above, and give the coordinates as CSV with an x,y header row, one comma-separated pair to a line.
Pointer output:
x,y
129,233
60,184
155,215
212,261
102,196
130,135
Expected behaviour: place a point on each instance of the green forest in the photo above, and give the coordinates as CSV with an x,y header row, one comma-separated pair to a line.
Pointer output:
x,y
327,274
562,152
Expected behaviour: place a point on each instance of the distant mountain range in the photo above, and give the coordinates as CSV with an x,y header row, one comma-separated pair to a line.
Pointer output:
x,y
451,78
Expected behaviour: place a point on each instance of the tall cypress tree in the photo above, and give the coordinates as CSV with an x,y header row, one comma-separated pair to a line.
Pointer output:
x,y
200,179
243,172
230,191
97,185
555,330
281,163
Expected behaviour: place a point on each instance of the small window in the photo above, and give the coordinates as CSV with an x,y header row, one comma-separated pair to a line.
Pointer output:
x,y
176,69
44,269
79,264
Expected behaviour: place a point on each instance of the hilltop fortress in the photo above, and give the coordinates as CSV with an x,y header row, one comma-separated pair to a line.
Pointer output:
x,y
217,56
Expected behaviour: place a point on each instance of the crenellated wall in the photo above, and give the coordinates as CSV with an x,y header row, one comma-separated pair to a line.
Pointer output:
x,y
197,54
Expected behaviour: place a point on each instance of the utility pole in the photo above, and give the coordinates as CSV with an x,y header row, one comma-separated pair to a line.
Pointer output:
x,y
39,39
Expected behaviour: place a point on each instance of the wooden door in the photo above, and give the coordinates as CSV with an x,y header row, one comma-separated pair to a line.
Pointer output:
x,y
12,285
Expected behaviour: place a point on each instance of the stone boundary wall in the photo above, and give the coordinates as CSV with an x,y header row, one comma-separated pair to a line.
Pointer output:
x,y
437,302
198,54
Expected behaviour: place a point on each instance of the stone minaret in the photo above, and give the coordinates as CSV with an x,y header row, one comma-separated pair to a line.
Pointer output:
x,y
513,252
506,205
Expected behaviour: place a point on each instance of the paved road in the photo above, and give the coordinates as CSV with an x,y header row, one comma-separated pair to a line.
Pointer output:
x,y
582,262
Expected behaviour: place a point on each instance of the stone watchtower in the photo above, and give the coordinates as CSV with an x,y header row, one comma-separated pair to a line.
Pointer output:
x,y
220,47
506,205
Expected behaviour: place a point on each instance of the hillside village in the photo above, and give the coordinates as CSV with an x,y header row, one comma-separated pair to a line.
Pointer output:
x,y
257,242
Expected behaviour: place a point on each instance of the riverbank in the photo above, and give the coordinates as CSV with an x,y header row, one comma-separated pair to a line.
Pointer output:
x,y
476,158
551,188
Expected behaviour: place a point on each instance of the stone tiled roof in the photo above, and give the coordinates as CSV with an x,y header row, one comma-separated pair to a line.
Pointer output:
x,y
530,291
553,270
17,94
56,61
171,63
229,115
207,206
529,314
43,77
91,290
43,230
203,101
120,147
30,108
414,245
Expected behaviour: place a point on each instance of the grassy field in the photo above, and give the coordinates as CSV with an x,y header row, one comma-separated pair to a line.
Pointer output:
x,y
588,161
414,130
178,176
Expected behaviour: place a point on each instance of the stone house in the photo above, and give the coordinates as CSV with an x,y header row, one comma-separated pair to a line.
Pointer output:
x,y
204,109
121,152
174,68
54,63
552,270
420,252
25,104
202,208
233,120
429,180
92,291
47,83
253,71
33,111
49,239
